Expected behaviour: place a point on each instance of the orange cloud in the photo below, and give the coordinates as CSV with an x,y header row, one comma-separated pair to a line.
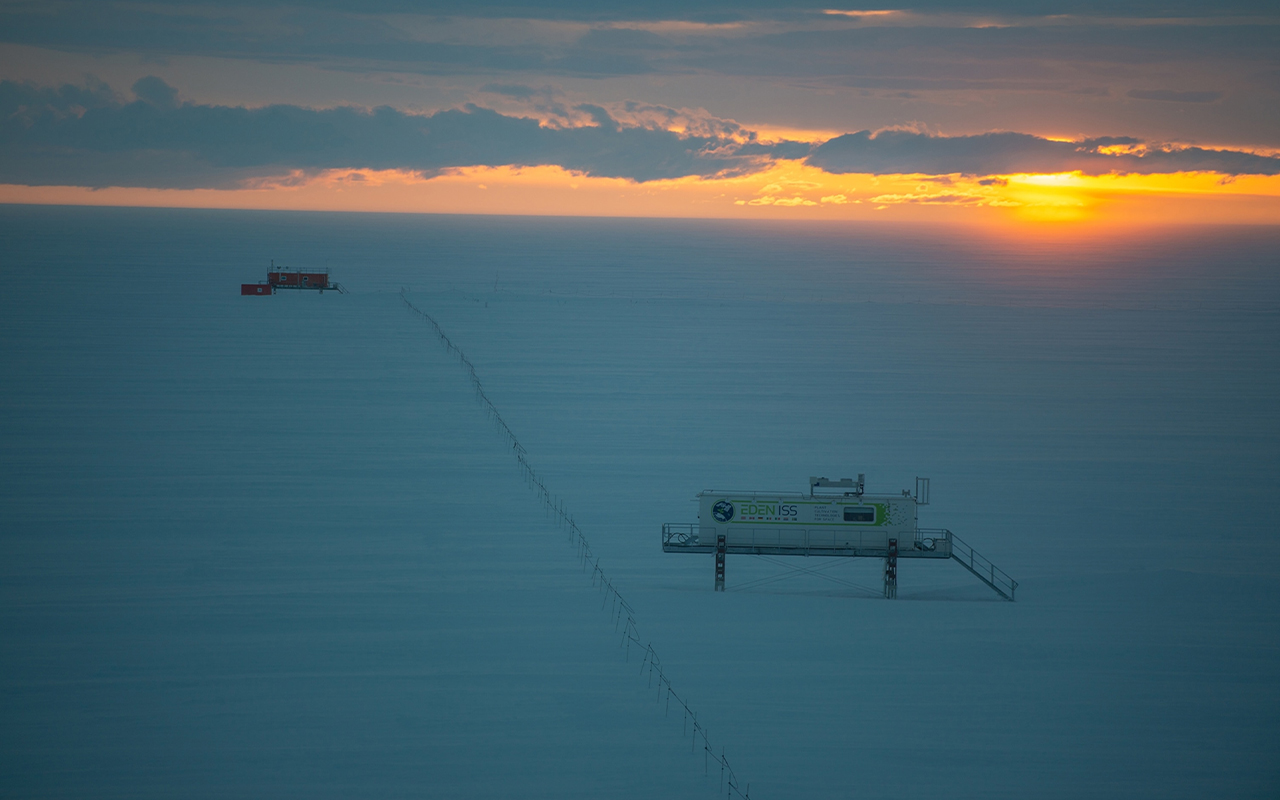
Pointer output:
x,y
789,190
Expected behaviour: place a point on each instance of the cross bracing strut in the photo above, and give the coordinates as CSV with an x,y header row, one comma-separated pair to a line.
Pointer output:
x,y
927,543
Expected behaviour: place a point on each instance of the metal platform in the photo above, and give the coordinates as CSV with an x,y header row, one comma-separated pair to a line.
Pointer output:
x,y
331,287
928,543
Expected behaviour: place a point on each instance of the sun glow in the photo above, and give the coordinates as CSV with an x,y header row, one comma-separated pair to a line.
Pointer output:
x,y
834,12
787,190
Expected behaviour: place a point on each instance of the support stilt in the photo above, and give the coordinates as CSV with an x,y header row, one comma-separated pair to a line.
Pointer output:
x,y
720,547
891,571
836,519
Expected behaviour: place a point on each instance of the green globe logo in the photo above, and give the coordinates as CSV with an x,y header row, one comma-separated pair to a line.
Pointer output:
x,y
722,511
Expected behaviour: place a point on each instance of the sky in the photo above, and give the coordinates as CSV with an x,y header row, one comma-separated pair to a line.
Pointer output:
x,y
975,112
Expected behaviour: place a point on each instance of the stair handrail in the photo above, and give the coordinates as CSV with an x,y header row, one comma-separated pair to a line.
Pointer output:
x,y
982,566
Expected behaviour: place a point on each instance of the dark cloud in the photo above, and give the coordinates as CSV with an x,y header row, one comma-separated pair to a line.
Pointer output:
x,y
514,90
898,152
614,39
599,63
1109,141
156,92
89,137
599,116
329,38
1026,66
728,10
350,35
1170,96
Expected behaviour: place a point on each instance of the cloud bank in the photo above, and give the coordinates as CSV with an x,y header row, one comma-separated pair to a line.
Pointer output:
x,y
907,152
90,136
1133,65
921,49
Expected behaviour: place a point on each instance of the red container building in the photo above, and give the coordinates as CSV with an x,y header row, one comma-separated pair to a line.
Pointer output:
x,y
299,280
290,279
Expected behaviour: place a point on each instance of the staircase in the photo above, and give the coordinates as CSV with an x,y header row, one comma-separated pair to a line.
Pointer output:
x,y
981,566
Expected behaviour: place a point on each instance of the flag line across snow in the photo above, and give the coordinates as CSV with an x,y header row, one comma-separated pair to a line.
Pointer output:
x,y
621,612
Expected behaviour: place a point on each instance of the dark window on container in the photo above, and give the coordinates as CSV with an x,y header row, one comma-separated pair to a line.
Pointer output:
x,y
860,514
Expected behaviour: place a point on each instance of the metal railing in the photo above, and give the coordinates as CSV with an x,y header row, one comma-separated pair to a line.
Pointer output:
x,y
676,534
686,534
933,540
982,567
939,542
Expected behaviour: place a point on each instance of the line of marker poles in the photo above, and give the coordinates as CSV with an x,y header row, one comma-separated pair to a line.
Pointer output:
x,y
620,611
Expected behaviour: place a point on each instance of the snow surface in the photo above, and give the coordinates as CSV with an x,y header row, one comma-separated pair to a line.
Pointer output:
x,y
272,547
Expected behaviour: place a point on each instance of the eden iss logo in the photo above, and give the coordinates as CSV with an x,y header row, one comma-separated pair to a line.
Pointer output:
x,y
722,511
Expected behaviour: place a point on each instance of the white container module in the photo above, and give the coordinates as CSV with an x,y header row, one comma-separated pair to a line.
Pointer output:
x,y
798,521
835,518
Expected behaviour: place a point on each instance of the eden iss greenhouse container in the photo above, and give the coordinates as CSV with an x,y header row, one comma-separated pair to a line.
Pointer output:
x,y
836,518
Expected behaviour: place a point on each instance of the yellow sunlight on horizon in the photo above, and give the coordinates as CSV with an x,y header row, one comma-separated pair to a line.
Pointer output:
x,y
788,190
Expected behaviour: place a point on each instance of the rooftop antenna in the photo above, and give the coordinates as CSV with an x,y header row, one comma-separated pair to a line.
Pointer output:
x,y
857,487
